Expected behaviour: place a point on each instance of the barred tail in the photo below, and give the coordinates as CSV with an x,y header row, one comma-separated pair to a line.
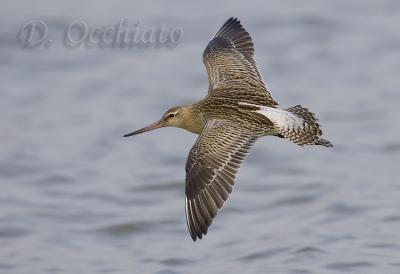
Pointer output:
x,y
297,124
306,130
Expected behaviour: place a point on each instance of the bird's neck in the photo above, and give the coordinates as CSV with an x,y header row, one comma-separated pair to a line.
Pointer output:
x,y
193,120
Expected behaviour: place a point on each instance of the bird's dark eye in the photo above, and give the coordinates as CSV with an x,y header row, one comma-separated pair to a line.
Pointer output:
x,y
171,115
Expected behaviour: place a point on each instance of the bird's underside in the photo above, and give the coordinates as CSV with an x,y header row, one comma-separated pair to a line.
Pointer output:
x,y
239,109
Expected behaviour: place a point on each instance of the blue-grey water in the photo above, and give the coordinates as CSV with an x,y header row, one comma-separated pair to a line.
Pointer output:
x,y
76,197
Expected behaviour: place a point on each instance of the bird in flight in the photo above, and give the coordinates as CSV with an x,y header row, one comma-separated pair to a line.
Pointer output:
x,y
237,110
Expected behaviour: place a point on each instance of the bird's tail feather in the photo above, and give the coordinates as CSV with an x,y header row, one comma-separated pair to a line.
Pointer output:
x,y
306,130
297,124
323,142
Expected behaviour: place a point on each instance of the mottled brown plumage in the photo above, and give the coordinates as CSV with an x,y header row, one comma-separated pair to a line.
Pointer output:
x,y
237,110
232,71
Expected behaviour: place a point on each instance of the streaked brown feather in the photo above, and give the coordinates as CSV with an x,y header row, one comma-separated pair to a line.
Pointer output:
x,y
229,60
210,170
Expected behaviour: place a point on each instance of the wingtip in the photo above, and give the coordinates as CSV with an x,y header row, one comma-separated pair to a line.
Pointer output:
x,y
233,18
233,21
196,235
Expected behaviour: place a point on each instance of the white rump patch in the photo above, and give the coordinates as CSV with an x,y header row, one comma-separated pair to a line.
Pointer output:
x,y
282,119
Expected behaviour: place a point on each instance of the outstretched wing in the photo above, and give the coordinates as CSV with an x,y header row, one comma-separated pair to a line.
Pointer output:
x,y
229,60
210,171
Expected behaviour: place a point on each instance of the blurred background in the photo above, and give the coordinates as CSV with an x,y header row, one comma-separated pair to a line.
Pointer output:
x,y
76,197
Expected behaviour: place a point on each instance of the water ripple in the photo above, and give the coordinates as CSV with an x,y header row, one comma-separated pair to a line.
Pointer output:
x,y
126,229
264,254
14,232
308,250
348,266
176,261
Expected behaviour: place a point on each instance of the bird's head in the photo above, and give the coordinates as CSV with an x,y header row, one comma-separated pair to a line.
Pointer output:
x,y
174,117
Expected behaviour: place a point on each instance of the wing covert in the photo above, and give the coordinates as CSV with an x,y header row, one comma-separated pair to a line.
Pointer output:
x,y
211,169
229,60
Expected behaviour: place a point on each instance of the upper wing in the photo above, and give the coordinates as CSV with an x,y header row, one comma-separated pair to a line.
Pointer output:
x,y
229,60
210,171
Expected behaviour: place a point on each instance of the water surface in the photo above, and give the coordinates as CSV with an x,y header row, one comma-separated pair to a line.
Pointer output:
x,y
76,197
